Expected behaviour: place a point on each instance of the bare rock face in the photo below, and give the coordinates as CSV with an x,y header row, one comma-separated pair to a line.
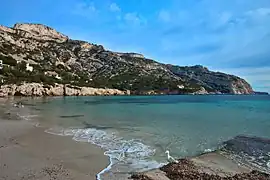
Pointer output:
x,y
57,90
40,31
29,89
241,87
212,82
6,29
36,89
201,91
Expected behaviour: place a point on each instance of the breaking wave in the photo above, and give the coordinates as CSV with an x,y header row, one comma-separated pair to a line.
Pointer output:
x,y
127,155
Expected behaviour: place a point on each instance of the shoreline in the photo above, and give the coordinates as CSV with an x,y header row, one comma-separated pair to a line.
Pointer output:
x,y
45,90
44,155
27,152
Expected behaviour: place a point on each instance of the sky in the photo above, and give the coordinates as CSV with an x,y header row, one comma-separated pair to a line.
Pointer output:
x,y
231,36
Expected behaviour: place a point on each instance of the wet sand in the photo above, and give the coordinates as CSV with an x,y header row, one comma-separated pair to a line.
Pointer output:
x,y
28,153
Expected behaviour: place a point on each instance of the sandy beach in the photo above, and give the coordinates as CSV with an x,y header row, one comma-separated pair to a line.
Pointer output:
x,y
28,153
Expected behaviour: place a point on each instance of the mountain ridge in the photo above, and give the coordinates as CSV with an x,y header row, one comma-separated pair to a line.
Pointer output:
x,y
55,58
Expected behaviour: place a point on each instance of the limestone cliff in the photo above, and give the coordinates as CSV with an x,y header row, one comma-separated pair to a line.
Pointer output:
x,y
37,53
37,89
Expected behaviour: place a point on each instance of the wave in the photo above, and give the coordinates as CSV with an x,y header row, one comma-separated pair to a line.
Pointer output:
x,y
127,155
28,117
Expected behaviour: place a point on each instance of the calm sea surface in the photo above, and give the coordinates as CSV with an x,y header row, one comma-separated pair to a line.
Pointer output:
x,y
135,131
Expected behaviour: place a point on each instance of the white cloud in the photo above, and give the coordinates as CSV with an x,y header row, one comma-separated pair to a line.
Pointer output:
x,y
85,9
264,11
134,19
260,11
114,7
224,17
164,16
250,71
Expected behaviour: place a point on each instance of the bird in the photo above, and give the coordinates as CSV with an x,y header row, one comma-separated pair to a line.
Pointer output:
x,y
170,158
18,105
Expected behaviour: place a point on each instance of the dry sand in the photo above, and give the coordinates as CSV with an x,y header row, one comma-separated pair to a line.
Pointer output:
x,y
215,163
28,153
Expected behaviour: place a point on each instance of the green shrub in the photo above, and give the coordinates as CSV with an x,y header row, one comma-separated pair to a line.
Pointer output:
x,y
8,60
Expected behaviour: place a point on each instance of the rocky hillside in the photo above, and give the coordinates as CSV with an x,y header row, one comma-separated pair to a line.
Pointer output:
x,y
37,53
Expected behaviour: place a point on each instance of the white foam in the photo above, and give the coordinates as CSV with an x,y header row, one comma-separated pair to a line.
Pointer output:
x,y
28,117
132,153
105,170
208,150
55,131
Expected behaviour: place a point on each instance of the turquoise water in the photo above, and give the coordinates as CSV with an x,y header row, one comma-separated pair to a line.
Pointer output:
x,y
136,131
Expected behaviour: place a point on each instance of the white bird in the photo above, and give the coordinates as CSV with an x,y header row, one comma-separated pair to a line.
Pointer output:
x,y
18,105
170,158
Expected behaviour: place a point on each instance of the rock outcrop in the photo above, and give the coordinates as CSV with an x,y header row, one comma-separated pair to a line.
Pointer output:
x,y
41,31
261,93
85,64
214,82
188,170
201,91
34,31
37,89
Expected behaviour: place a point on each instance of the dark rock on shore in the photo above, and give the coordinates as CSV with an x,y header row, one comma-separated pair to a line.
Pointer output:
x,y
187,170
140,177
261,93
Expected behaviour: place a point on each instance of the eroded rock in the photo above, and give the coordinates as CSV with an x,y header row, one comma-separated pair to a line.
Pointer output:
x,y
37,89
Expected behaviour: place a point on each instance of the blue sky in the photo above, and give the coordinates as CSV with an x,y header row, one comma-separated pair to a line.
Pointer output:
x,y
232,36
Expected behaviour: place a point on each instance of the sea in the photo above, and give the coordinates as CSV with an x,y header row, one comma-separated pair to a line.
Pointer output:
x,y
135,131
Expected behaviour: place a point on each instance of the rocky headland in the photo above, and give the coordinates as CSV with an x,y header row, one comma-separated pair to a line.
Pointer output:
x,y
35,53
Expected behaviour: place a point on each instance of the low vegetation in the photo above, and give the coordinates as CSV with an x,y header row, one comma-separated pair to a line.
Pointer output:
x,y
84,64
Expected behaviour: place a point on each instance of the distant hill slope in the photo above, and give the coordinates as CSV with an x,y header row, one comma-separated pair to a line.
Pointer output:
x,y
57,59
